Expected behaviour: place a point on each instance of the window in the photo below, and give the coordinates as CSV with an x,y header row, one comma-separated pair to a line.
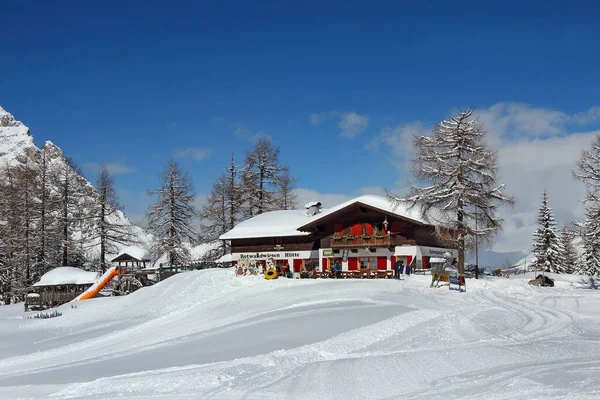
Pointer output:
x,y
311,264
368,262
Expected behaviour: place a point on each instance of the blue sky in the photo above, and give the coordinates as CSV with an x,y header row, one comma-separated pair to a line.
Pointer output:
x,y
339,86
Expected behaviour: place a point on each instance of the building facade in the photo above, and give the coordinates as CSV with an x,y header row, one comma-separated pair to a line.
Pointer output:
x,y
365,232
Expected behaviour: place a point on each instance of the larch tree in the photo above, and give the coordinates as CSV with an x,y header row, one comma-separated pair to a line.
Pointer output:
x,y
459,175
233,194
170,218
222,209
588,171
546,244
261,178
108,228
12,276
286,197
46,219
69,196
215,216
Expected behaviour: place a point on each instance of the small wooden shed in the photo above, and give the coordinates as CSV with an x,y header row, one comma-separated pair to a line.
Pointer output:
x,y
63,284
132,257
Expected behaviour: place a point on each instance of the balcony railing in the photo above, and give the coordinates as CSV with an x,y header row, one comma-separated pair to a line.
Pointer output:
x,y
370,241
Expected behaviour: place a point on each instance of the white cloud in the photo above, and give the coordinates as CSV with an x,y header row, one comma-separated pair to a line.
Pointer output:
x,y
193,153
537,150
116,168
516,120
528,168
586,117
353,124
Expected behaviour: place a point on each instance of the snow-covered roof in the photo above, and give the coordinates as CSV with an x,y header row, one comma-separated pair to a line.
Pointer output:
x,y
67,276
287,222
137,253
271,224
378,202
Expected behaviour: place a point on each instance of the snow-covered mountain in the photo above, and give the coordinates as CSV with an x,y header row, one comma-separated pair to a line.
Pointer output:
x,y
15,138
17,148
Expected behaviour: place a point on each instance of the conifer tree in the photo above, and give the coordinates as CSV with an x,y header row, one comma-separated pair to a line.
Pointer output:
x,y
107,230
69,196
261,176
588,171
286,196
569,253
170,218
589,262
460,173
546,245
215,215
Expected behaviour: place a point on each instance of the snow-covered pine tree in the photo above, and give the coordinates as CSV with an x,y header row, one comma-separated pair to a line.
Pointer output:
x,y
569,253
546,245
106,229
170,218
261,178
460,176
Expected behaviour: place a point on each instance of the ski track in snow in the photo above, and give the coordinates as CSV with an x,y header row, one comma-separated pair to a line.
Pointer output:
x,y
210,335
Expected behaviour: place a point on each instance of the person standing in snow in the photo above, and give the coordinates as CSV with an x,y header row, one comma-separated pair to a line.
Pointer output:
x,y
337,268
397,268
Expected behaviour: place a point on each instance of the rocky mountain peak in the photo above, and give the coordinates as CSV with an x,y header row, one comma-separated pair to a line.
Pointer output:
x,y
15,137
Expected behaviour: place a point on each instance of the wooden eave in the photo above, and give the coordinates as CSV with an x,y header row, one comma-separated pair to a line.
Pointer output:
x,y
357,205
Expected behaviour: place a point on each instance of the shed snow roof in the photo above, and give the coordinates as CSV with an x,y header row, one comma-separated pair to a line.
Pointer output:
x,y
287,222
67,276
135,253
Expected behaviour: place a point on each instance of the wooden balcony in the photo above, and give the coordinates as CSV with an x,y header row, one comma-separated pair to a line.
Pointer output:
x,y
372,241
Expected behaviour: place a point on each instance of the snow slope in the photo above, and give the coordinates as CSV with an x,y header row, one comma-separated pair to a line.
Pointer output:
x,y
209,335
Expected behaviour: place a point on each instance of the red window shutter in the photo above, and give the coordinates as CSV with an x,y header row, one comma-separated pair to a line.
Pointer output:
x,y
382,263
338,228
369,229
357,229
352,263
297,264
408,260
424,262
393,261
396,227
324,261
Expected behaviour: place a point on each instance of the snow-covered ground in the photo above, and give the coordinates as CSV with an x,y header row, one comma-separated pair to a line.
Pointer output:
x,y
209,335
